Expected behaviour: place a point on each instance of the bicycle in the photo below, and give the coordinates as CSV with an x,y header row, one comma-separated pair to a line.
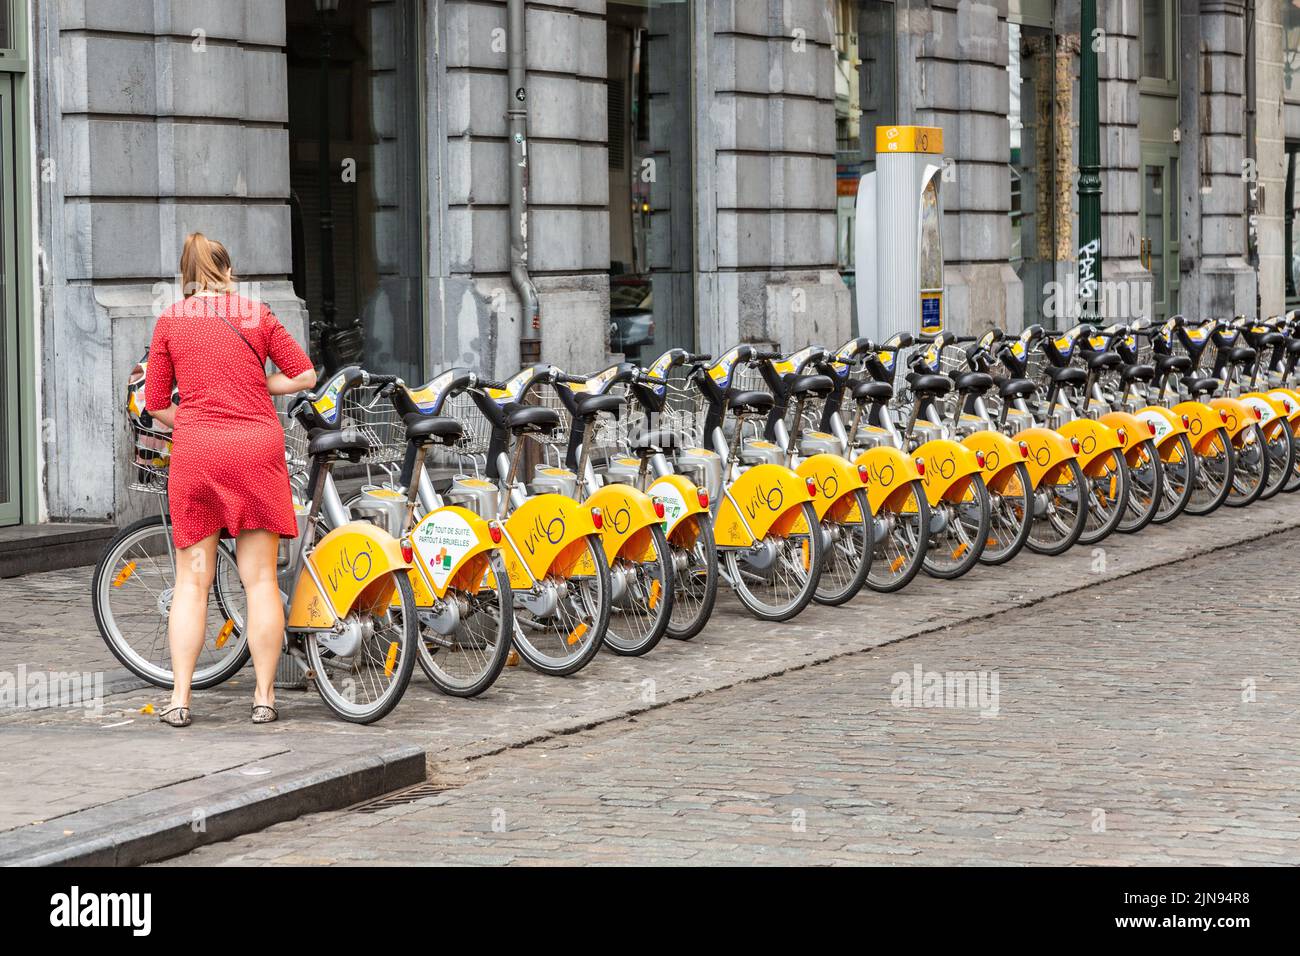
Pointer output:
x,y
350,611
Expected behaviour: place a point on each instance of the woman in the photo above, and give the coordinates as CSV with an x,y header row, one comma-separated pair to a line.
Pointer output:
x,y
228,476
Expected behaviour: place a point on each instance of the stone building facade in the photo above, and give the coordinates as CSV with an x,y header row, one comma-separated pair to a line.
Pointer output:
x,y
690,179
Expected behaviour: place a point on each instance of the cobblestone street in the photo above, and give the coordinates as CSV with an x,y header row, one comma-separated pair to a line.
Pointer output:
x,y
1149,720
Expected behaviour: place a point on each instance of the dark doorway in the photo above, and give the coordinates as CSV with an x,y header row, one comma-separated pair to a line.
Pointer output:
x,y
357,204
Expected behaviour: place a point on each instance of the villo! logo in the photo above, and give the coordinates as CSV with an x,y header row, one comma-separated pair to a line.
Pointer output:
x,y
552,531
356,565
74,909
770,500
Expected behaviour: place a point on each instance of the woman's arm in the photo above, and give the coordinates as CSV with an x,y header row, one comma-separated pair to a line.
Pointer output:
x,y
159,377
277,383
165,416
298,373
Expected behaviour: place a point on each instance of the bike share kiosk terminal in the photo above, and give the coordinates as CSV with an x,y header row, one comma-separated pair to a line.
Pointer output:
x,y
899,245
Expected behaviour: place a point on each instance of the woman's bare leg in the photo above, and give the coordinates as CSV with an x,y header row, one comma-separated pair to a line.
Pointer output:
x,y
187,620
256,552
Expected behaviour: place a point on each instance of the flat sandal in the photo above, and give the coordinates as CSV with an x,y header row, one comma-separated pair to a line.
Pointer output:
x,y
178,716
265,714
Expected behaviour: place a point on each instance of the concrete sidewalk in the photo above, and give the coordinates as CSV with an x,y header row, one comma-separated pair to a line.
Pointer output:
x,y
117,787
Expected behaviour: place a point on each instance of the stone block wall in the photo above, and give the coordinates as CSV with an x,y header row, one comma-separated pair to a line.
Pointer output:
x,y
153,120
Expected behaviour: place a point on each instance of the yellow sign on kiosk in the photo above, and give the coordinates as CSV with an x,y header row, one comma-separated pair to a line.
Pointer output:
x,y
909,139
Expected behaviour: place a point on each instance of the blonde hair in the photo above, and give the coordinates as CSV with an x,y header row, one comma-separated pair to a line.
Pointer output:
x,y
205,266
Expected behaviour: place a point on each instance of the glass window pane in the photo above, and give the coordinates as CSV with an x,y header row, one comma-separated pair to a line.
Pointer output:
x,y
1154,54
1154,226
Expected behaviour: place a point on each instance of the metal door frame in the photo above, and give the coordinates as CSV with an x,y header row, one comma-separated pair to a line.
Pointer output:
x,y
16,324
1163,156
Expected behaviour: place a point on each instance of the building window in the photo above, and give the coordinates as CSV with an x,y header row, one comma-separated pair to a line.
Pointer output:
x,y
356,183
1291,45
865,97
651,202
1159,48
1040,242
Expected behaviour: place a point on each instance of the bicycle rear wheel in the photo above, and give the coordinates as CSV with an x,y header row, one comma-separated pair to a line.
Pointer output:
x,y
1011,515
1250,471
1145,488
848,559
1281,457
900,538
361,671
1212,474
776,579
1059,510
959,532
131,593
642,598
561,623
1107,496
695,565
463,654
1177,480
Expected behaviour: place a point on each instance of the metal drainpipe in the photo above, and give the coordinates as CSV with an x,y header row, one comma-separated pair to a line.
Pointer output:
x,y
517,117
1252,154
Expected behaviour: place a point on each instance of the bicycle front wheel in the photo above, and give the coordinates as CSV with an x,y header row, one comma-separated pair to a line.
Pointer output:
x,y
775,579
361,669
465,642
131,595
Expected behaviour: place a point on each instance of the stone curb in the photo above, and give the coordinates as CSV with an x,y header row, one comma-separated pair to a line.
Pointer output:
x,y
160,823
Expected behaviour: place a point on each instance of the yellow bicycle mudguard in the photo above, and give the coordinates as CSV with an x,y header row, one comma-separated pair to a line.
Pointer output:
x,y
626,512
1240,415
353,564
1132,430
760,496
451,546
889,472
836,479
1048,451
948,465
1202,422
1168,426
1001,455
1290,400
681,498
1272,411
1095,440
538,531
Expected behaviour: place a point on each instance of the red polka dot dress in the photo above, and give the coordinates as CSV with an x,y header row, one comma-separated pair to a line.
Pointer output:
x,y
227,471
